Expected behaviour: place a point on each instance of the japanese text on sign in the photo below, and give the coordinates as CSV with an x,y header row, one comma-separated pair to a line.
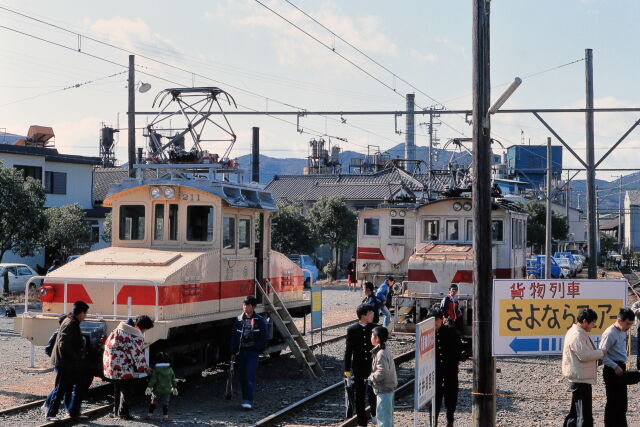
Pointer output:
x,y
532,316
425,363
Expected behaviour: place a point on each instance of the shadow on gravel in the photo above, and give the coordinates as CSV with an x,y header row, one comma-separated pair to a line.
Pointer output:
x,y
19,395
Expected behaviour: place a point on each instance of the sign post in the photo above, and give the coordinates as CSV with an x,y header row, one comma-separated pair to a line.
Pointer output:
x,y
316,309
425,376
531,317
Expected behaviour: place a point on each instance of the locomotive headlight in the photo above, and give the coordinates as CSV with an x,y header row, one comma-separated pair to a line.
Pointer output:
x,y
466,206
393,213
169,192
155,192
402,214
457,206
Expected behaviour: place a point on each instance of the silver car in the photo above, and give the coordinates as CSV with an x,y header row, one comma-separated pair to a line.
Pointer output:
x,y
18,274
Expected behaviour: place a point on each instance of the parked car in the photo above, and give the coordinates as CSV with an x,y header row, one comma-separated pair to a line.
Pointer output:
x,y
306,262
575,260
565,263
19,274
535,268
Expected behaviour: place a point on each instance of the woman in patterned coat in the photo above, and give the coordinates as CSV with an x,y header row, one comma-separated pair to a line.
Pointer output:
x,y
124,361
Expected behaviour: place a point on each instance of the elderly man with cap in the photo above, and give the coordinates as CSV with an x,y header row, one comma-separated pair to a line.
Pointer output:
x,y
248,338
68,357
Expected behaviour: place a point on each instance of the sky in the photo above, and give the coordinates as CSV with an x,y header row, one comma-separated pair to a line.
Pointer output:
x,y
267,64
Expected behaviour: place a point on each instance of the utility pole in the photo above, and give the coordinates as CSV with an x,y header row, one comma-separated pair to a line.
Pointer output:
x,y
547,251
484,380
131,116
591,171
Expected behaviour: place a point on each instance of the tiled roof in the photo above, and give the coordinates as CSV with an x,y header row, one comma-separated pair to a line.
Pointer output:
x,y
50,154
634,196
610,223
376,186
104,177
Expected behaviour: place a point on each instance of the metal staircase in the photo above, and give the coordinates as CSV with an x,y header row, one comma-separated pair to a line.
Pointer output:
x,y
287,328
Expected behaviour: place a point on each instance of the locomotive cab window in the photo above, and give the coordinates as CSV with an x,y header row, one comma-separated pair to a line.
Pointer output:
x,y
229,232
497,233
469,230
158,222
452,232
173,221
430,230
371,226
200,223
397,227
132,222
244,233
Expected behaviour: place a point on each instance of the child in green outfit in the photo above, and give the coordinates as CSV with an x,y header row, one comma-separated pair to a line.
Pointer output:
x,y
161,385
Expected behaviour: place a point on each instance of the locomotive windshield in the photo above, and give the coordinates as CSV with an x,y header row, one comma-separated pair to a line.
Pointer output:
x,y
200,223
132,222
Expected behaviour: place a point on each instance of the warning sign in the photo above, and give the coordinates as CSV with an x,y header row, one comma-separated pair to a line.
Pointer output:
x,y
531,317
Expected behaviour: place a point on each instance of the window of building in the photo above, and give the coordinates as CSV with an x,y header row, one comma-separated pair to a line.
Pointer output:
x,y
452,230
371,227
55,182
158,221
469,231
497,230
397,227
95,230
173,222
199,223
30,171
430,230
244,233
229,232
132,222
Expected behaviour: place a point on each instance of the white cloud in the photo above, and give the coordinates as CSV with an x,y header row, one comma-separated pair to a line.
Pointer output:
x,y
450,45
423,57
295,48
130,34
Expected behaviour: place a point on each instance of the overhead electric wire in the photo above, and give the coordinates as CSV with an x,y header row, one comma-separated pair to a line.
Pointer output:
x,y
165,64
332,49
73,86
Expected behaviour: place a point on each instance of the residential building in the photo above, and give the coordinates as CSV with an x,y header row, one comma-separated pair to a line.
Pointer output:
x,y
67,180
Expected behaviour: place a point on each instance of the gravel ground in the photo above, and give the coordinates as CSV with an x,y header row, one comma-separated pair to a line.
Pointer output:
x,y
280,382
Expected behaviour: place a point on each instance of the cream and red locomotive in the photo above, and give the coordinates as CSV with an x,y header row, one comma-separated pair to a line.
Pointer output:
x,y
185,251
427,247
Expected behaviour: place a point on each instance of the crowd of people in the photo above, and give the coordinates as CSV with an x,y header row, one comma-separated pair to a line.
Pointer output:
x,y
369,368
124,363
580,360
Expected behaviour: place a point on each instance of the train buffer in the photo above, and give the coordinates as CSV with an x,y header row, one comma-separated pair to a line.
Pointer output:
x,y
287,328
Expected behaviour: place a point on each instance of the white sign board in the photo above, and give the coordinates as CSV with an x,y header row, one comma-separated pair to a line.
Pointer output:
x,y
425,377
531,317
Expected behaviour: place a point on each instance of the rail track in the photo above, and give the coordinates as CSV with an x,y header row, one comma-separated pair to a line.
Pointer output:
x,y
99,392
331,407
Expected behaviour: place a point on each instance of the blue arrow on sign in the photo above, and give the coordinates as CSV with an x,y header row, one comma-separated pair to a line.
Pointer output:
x,y
525,344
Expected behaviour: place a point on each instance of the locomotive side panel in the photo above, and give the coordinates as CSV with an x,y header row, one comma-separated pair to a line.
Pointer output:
x,y
386,239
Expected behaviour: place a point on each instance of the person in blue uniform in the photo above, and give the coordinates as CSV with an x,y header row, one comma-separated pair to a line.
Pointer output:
x,y
383,294
357,361
248,338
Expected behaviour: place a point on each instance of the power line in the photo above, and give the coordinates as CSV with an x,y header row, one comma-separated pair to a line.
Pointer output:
x,y
171,66
332,49
73,86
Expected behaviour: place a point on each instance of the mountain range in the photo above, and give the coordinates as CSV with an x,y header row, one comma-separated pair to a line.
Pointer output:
x,y
607,190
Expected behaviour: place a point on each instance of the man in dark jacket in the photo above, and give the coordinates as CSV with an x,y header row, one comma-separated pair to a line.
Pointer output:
x,y
68,357
370,298
351,274
448,356
248,338
357,361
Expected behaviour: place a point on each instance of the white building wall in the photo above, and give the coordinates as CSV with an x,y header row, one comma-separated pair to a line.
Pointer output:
x,y
577,224
79,188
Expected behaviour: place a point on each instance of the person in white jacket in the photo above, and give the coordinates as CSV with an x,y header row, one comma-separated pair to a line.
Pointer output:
x,y
579,365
